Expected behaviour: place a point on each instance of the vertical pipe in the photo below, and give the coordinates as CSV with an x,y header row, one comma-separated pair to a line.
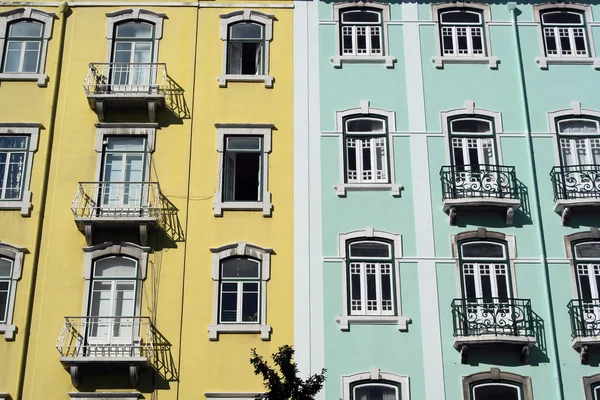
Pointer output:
x,y
512,7
63,9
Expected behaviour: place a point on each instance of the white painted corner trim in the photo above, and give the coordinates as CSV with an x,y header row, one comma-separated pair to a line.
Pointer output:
x,y
242,249
375,375
234,17
261,130
15,254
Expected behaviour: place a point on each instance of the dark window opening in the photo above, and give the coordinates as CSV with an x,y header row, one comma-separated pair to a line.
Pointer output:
x,y
242,177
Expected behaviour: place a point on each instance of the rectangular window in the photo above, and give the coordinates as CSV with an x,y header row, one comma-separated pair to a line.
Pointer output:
x,y
366,159
371,288
13,154
5,284
240,291
242,168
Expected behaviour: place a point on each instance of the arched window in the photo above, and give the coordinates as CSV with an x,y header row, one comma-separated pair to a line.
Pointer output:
x,y
361,31
496,391
591,387
246,46
23,47
587,271
366,149
496,385
462,32
564,33
375,385
579,140
485,271
375,391
132,54
240,290
11,262
6,273
472,143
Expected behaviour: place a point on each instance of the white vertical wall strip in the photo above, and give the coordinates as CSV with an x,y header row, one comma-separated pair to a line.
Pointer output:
x,y
428,297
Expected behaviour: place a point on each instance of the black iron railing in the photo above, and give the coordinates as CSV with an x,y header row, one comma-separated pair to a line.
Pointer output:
x,y
576,182
492,316
585,317
479,181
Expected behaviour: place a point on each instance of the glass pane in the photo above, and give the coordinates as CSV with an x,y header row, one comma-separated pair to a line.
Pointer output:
x,y
460,16
375,40
125,299
347,47
12,61
250,302
125,143
5,268
26,29
587,250
240,267
245,30
361,16
486,288
234,64
351,173
364,125
134,30
470,287
229,302
471,126
361,40
16,166
375,392
597,393
370,249
371,285
101,305
562,17
118,267
386,286
482,250
243,143
578,126
3,300
30,61
355,286
501,280
495,392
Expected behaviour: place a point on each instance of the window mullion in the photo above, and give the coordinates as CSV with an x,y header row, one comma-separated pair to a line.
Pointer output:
x,y
469,40
354,40
5,177
455,41
359,159
572,41
363,288
240,291
22,58
368,39
478,289
557,41
379,294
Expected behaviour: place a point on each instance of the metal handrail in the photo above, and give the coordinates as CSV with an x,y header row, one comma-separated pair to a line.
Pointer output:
x,y
121,78
576,182
479,181
585,318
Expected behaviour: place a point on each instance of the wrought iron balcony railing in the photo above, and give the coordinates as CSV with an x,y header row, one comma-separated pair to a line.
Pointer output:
x,y
126,78
478,181
117,200
576,182
585,318
492,316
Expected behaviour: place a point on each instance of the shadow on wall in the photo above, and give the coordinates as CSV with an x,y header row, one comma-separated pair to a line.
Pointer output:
x,y
176,108
584,218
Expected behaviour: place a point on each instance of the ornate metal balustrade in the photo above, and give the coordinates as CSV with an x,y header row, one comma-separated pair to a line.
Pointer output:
x,y
585,324
126,78
575,186
480,181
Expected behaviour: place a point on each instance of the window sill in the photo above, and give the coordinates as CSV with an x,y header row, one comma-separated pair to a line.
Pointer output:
x,y
267,79
264,206
341,188
41,79
345,320
545,61
388,60
440,60
105,395
215,330
24,204
9,333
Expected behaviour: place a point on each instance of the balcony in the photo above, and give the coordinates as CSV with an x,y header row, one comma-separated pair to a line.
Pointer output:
x,y
575,187
128,343
585,325
492,322
126,85
479,186
109,205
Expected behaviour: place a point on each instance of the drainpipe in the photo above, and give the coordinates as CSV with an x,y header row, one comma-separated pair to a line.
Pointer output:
x,y
63,9
512,7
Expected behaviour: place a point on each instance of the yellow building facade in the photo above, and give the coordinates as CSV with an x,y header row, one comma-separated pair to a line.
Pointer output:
x,y
146,216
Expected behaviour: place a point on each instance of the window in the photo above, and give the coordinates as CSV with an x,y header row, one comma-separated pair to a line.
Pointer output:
x,y
243,164
11,262
246,36
496,384
565,35
24,39
240,273
472,143
463,34
132,56
18,142
579,141
587,273
591,387
362,33
371,277
375,385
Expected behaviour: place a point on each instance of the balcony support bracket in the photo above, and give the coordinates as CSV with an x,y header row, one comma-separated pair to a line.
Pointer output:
x,y
452,215
151,110
87,231
566,213
525,354
583,355
100,110
143,234
510,214
74,371
134,371
464,354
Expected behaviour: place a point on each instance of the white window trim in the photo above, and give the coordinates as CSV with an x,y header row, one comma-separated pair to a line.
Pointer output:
x,y
440,58
471,111
37,15
588,381
233,396
263,130
16,255
495,376
247,15
374,376
344,320
365,109
105,395
543,61
91,253
591,235
245,250
23,129
4,395
386,59
134,14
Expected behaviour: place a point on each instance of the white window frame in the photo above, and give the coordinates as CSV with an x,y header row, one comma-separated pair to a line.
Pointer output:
x,y
365,110
260,130
31,130
375,376
486,58
384,58
45,18
588,383
241,249
105,395
543,60
16,255
247,15
345,319
495,376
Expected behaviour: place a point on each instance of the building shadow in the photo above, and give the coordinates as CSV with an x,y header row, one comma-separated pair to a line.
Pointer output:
x,y
176,108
